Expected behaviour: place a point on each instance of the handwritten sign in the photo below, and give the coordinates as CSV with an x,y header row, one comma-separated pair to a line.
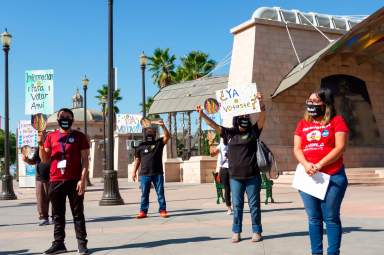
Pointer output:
x,y
128,123
235,101
39,92
26,135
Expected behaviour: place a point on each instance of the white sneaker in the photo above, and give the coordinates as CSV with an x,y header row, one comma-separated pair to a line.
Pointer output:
x,y
229,212
43,222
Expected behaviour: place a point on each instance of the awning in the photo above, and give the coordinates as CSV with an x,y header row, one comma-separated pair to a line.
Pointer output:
x,y
184,96
365,41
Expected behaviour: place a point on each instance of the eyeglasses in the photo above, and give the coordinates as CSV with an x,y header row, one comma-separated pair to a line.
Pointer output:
x,y
311,102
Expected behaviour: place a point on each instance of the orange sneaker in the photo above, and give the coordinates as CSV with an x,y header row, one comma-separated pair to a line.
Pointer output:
x,y
141,215
164,214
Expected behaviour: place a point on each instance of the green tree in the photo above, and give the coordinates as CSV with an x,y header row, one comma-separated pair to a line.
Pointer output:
x,y
162,66
12,145
103,95
194,66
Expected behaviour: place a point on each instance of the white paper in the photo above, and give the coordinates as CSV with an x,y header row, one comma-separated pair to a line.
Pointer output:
x,y
315,185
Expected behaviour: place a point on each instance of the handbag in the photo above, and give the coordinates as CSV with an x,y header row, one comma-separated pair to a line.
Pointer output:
x,y
265,159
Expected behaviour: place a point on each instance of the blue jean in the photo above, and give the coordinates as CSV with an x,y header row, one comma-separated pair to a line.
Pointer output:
x,y
252,188
328,211
145,185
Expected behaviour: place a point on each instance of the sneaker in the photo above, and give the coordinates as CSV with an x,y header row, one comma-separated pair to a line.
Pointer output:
x,y
43,222
56,248
83,250
229,212
141,215
236,238
256,237
164,214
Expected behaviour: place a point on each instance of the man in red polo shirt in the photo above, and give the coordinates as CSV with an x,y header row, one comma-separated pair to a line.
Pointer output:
x,y
68,151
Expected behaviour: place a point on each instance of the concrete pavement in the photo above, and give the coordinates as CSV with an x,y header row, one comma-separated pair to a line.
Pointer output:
x,y
197,225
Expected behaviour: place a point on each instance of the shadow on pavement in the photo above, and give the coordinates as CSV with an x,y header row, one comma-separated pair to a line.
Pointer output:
x,y
19,205
282,209
158,243
305,233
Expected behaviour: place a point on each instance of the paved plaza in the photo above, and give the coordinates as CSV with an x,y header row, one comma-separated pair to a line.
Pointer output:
x,y
197,225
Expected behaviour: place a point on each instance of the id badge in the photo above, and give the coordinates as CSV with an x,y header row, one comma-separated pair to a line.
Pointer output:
x,y
62,165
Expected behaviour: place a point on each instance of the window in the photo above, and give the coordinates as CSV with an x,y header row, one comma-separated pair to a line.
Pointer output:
x,y
289,17
340,23
269,14
303,19
323,21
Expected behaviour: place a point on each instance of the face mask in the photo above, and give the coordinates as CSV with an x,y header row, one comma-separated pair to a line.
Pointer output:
x,y
65,124
315,110
244,122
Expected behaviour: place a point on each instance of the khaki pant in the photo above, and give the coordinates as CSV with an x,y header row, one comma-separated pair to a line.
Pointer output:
x,y
42,199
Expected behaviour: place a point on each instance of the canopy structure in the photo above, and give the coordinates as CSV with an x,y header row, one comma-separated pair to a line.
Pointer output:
x,y
184,96
365,41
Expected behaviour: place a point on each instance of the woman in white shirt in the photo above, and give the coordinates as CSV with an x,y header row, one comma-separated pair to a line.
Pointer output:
x,y
222,167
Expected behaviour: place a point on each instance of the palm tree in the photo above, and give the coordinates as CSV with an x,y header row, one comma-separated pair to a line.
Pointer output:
x,y
194,66
162,66
103,96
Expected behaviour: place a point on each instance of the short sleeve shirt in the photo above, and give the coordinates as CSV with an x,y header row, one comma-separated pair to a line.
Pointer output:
x,y
74,142
151,156
242,148
317,140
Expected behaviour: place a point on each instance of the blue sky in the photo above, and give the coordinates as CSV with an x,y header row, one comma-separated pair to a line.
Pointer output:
x,y
70,37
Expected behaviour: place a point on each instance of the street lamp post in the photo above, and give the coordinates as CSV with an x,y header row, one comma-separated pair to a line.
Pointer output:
x,y
85,87
111,194
143,63
103,103
7,192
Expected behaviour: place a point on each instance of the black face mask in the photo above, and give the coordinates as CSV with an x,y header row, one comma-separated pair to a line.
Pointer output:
x,y
244,122
64,123
315,110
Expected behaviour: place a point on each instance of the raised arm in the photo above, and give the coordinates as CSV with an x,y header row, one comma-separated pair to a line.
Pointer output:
x,y
207,120
165,131
44,147
261,119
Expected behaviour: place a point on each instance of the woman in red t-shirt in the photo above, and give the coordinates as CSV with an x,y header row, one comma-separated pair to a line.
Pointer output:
x,y
319,143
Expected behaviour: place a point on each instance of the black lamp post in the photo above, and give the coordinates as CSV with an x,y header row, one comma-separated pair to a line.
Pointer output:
x,y
103,103
111,194
143,63
7,192
85,87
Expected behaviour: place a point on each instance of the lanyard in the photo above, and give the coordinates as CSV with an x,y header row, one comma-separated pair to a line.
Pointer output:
x,y
63,145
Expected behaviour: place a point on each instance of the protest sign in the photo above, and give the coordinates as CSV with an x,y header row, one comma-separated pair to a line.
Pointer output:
x,y
26,134
235,101
39,92
128,123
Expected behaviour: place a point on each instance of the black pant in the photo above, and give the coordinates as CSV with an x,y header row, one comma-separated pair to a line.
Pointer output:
x,y
58,191
224,177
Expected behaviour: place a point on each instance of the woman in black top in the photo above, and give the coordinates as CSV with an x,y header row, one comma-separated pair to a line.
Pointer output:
x,y
42,185
244,173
